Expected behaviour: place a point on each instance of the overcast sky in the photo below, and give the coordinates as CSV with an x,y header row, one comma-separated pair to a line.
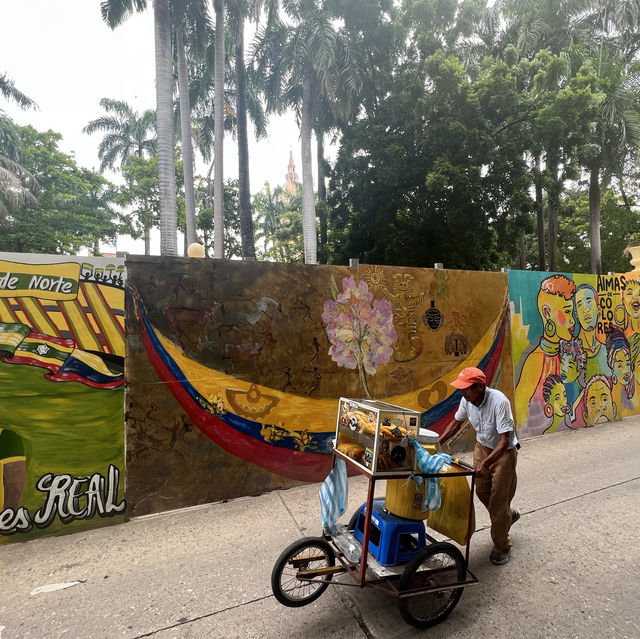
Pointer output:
x,y
61,54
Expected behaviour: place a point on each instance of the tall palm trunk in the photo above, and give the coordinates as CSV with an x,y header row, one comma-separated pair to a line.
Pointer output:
x,y
166,143
594,220
322,186
187,146
322,198
244,189
218,131
554,207
308,203
539,216
522,253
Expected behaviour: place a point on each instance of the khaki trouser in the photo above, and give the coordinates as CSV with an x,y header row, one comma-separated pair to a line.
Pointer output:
x,y
497,491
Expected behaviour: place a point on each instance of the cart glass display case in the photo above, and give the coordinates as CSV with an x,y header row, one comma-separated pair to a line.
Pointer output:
x,y
373,434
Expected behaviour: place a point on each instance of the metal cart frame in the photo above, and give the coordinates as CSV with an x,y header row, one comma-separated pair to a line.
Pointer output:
x,y
367,572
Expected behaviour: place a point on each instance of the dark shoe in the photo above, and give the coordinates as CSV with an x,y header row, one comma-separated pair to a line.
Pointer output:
x,y
515,515
499,557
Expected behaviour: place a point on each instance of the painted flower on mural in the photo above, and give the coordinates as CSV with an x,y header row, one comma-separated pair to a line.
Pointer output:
x,y
360,329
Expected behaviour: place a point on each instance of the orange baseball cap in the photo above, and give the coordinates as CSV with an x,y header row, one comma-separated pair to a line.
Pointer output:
x,y
468,376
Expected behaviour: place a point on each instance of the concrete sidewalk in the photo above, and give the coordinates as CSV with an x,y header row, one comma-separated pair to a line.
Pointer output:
x,y
205,572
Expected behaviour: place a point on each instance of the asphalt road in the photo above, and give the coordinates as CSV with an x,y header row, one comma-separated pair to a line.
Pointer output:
x,y
205,572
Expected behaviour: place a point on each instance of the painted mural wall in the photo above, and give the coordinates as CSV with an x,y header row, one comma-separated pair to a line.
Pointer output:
x,y
61,394
234,369
576,347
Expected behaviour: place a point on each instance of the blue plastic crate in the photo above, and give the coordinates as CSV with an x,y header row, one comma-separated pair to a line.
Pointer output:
x,y
392,540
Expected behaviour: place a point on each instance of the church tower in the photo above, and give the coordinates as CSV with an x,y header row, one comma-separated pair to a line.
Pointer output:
x,y
291,178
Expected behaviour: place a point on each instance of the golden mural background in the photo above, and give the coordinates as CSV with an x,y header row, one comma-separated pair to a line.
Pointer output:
x,y
259,329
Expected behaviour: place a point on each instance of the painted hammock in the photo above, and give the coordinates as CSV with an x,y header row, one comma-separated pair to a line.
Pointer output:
x,y
287,434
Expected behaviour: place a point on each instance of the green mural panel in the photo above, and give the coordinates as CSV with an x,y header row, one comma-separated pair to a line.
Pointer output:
x,y
61,394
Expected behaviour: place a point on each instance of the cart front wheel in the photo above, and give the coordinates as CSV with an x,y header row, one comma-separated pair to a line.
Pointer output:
x,y
288,581
438,565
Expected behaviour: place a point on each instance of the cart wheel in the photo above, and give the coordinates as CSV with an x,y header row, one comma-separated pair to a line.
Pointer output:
x,y
438,564
308,553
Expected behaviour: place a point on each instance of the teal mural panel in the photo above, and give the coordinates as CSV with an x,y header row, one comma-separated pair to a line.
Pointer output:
x,y
575,348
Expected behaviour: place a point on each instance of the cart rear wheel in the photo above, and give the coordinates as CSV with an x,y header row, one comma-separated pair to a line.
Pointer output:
x,y
438,564
309,553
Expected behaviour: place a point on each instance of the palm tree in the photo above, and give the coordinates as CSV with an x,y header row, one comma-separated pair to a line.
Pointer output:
x,y
240,88
191,21
238,10
18,187
127,134
126,131
218,127
247,102
187,146
244,202
114,12
615,34
269,206
617,131
303,60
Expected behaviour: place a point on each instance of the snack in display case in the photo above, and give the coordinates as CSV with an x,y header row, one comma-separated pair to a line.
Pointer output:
x,y
374,435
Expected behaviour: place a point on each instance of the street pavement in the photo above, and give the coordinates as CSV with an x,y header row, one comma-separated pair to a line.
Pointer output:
x,y
205,571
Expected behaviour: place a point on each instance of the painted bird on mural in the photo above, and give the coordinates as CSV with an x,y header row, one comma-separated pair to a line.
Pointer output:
x,y
262,305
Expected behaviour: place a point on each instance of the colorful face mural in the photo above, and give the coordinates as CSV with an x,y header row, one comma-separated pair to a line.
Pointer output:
x,y
61,394
573,329
253,358
556,403
586,308
599,406
631,302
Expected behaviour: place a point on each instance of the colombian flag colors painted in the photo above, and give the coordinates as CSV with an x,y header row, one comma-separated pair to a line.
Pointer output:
x,y
288,434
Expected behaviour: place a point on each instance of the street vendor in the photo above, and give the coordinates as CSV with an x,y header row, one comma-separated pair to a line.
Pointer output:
x,y
494,456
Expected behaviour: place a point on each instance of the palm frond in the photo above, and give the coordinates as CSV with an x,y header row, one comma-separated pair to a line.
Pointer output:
x,y
18,187
10,142
9,91
322,42
115,12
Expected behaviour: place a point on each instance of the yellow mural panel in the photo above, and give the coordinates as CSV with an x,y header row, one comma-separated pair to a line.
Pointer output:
x,y
45,281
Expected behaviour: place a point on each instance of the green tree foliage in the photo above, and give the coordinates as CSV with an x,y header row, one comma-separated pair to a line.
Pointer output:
x,y
205,224
421,180
140,196
74,207
278,217
618,225
478,125
477,136
18,187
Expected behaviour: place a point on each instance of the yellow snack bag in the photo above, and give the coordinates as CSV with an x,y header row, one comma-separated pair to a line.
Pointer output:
x,y
452,518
